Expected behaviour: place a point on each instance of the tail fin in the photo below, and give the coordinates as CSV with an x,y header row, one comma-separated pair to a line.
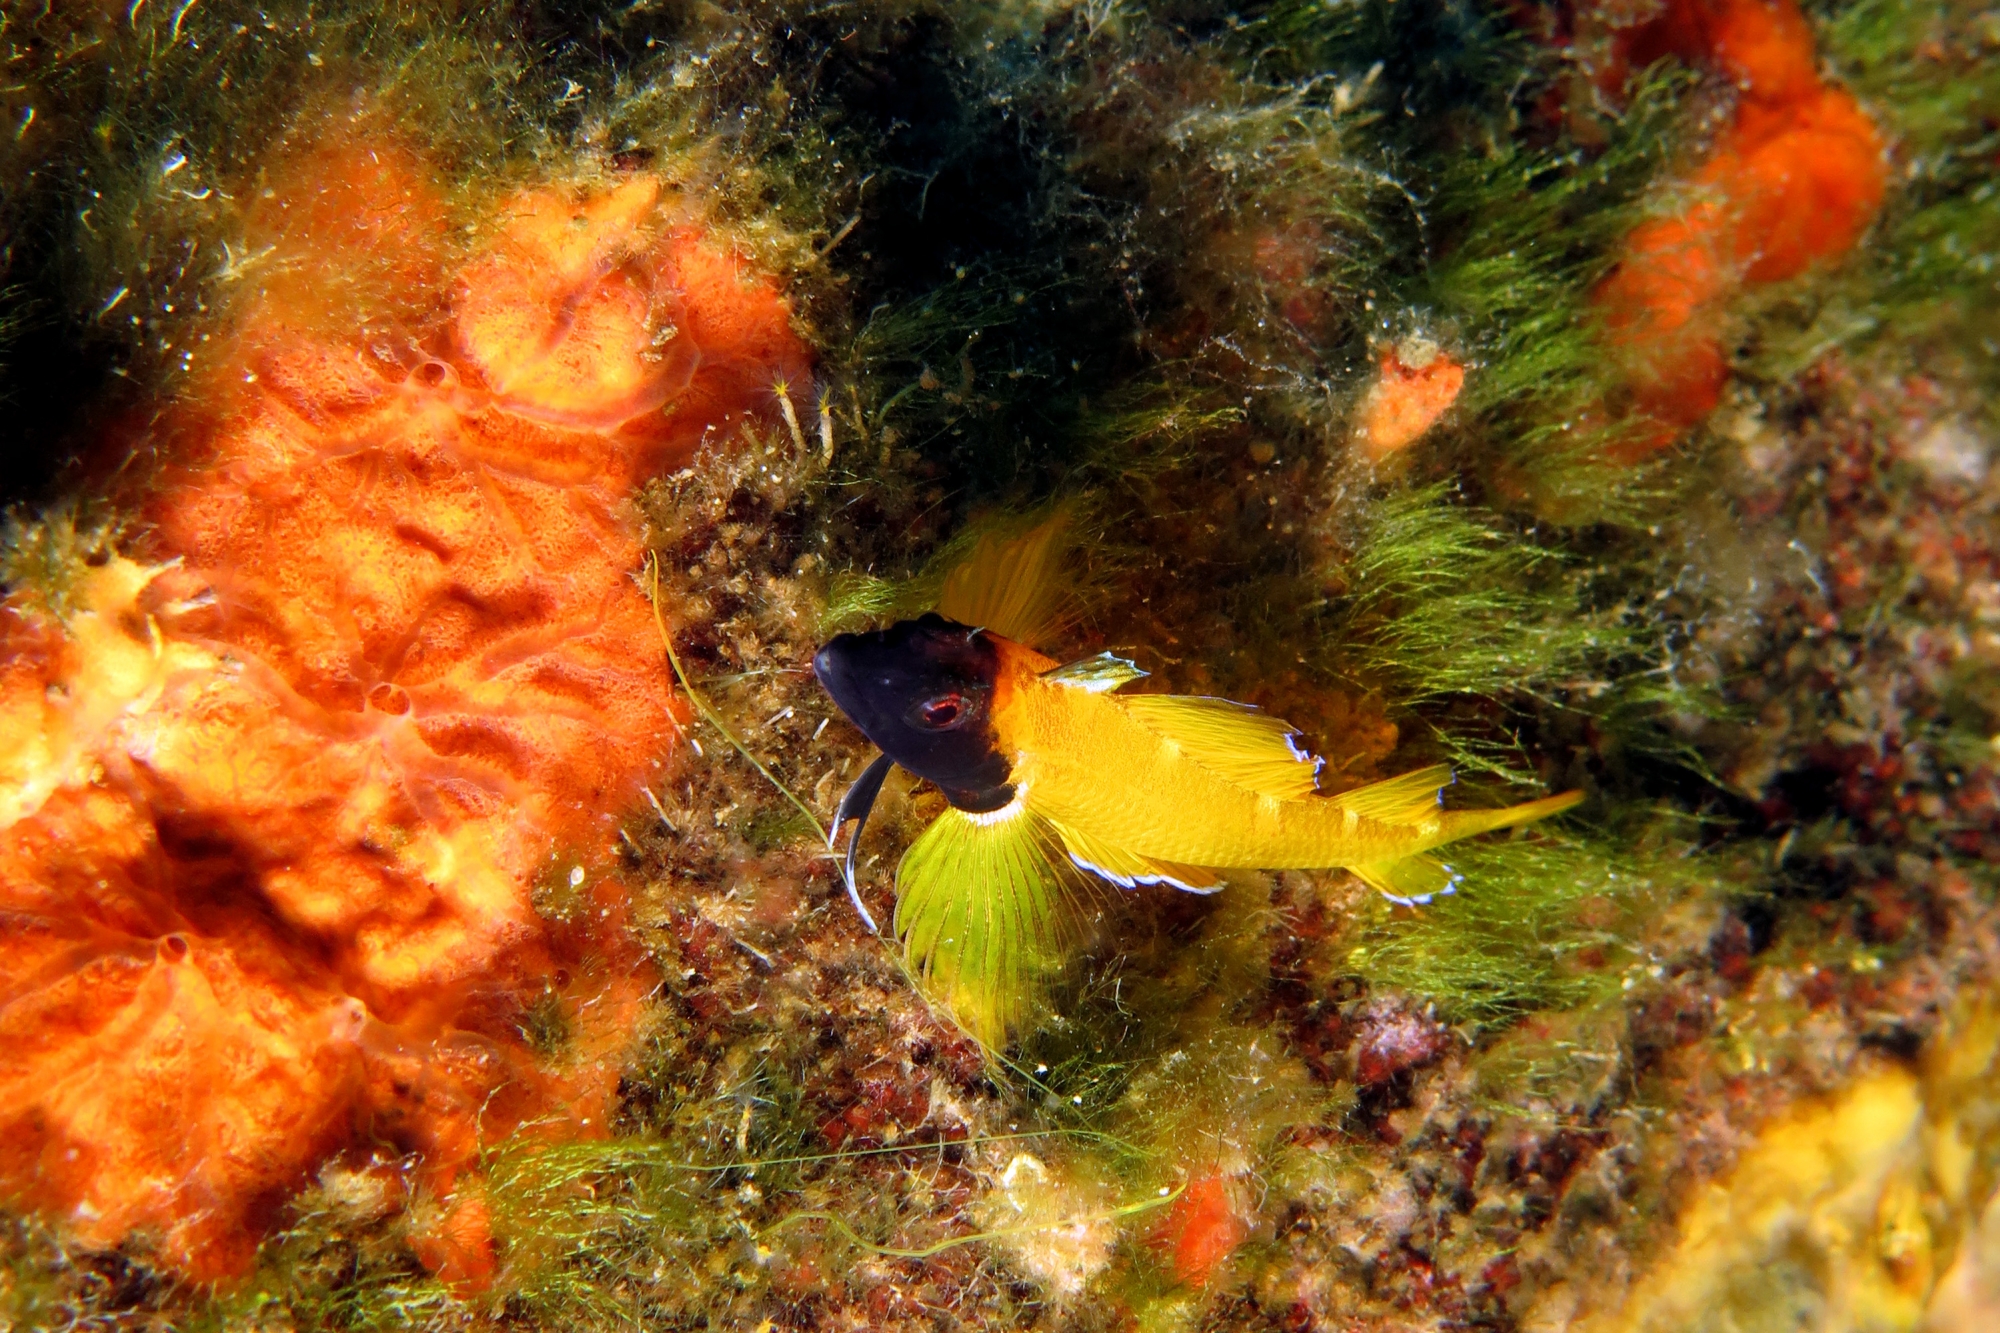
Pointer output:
x,y
1464,823
1415,880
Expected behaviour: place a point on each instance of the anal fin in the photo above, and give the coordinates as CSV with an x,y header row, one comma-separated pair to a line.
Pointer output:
x,y
1410,882
1128,869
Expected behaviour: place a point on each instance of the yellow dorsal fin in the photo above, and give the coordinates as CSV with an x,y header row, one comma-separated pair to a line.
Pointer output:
x,y
1129,869
1010,582
982,908
1409,799
1233,740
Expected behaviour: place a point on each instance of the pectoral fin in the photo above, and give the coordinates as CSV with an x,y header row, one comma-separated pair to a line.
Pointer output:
x,y
981,908
1011,582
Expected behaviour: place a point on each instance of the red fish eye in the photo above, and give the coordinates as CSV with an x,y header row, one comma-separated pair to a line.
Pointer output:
x,y
942,711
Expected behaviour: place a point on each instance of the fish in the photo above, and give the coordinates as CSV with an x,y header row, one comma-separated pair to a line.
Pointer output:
x,y
1050,769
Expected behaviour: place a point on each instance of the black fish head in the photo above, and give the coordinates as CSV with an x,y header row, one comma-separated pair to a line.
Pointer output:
x,y
922,690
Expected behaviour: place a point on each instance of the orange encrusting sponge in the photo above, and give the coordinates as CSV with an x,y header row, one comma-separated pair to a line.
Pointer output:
x,y
1204,1226
1416,383
1793,178
284,792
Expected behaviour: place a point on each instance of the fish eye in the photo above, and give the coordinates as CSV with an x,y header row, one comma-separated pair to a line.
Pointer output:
x,y
941,712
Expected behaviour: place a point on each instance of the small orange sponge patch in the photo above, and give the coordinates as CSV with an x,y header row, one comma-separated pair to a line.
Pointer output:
x,y
1203,1228
284,790
1793,178
1416,384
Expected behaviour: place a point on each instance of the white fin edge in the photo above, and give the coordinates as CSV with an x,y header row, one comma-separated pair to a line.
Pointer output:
x,y
1414,881
1134,881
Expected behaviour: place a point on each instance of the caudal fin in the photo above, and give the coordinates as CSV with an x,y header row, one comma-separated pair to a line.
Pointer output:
x,y
1464,823
1415,880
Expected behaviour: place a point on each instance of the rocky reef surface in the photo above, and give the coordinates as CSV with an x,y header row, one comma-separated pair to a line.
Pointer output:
x,y
442,435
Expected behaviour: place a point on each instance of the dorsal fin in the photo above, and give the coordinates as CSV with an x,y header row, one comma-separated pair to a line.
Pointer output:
x,y
1096,675
1410,798
1011,583
1249,748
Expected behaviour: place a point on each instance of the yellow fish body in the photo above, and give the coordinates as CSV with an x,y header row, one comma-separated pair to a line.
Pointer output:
x,y
1168,788
1050,770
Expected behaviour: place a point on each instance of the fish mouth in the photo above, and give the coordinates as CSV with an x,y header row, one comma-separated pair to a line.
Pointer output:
x,y
839,669
831,668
